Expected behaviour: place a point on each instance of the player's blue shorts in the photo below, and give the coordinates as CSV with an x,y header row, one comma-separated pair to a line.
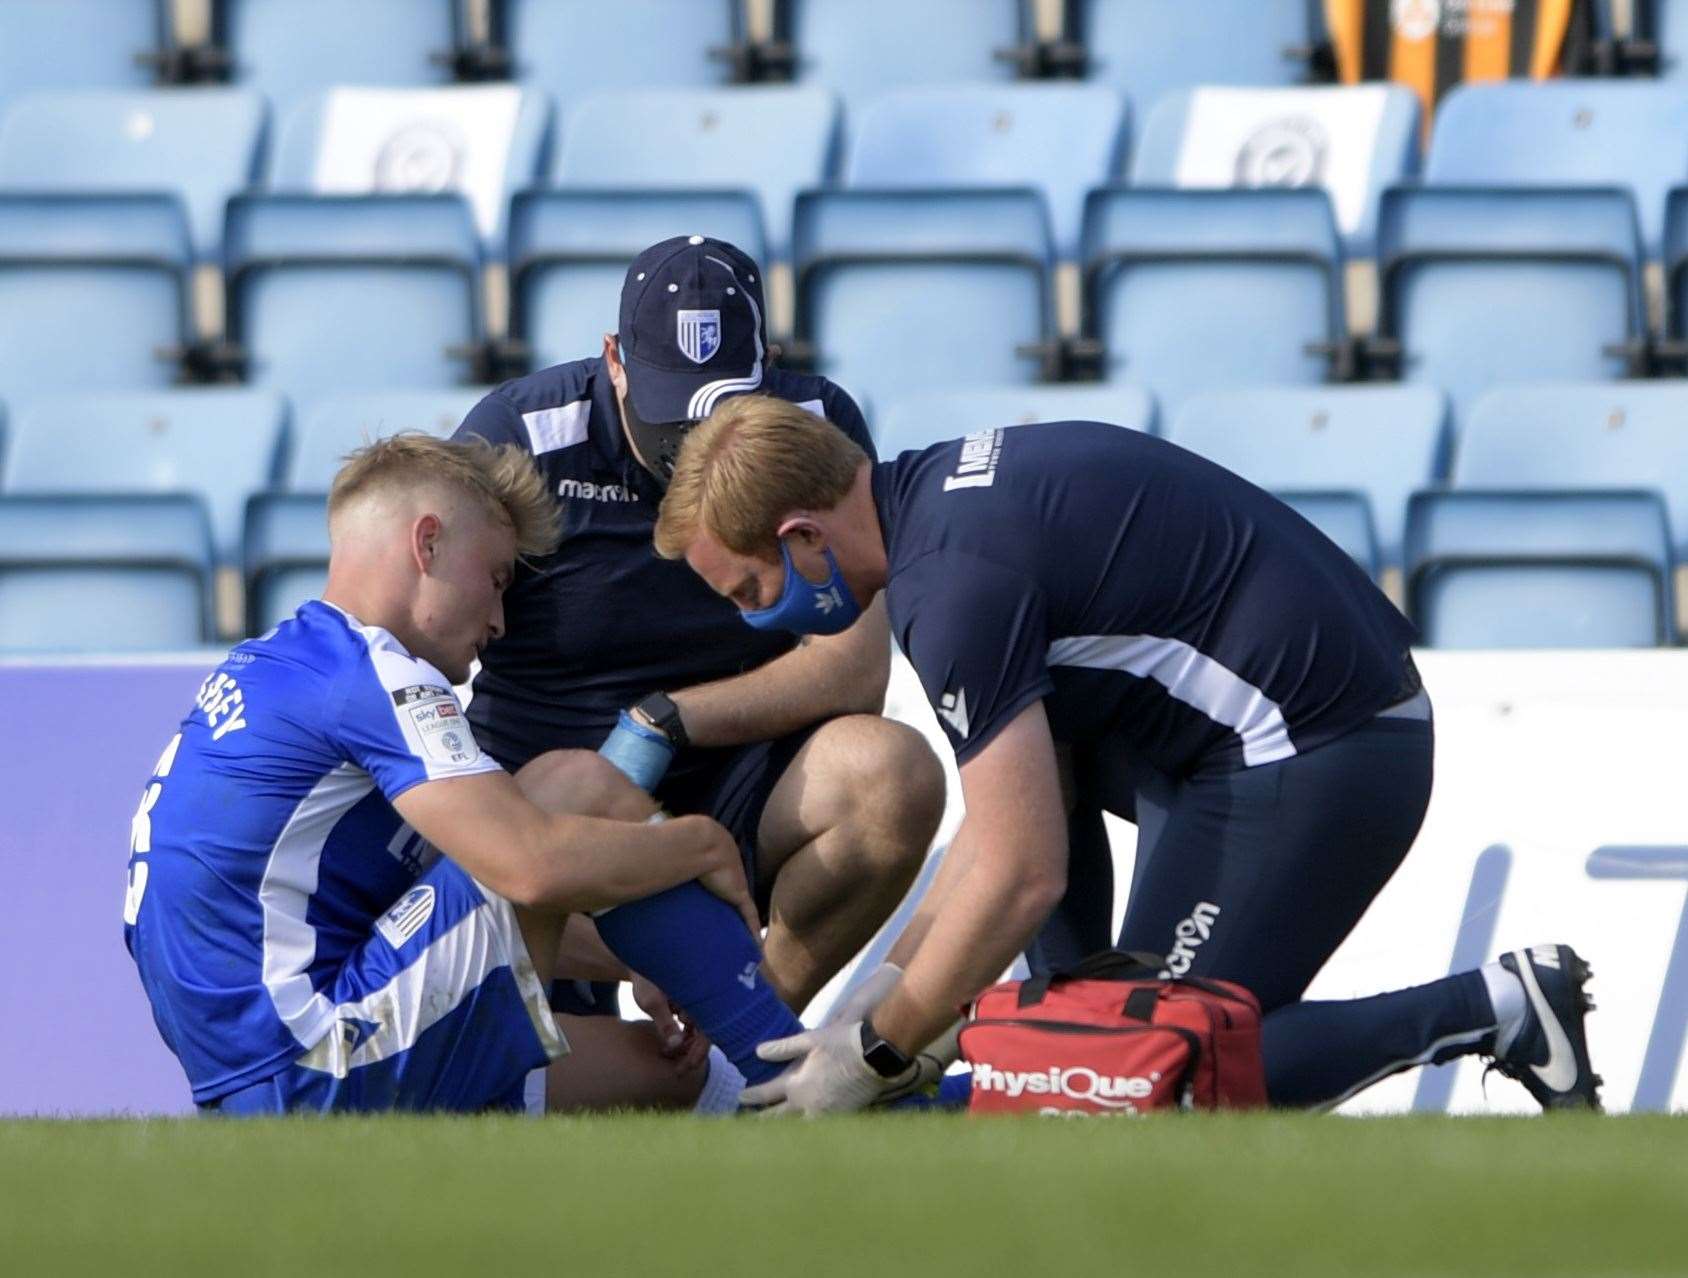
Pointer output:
x,y
439,1010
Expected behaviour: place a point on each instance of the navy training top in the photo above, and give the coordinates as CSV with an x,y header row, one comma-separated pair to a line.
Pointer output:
x,y
1136,588
605,620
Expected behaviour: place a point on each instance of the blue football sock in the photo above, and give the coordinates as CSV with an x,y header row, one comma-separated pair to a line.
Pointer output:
x,y
691,942
695,947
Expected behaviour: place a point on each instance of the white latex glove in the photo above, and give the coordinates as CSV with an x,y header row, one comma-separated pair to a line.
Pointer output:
x,y
828,1074
930,1064
866,996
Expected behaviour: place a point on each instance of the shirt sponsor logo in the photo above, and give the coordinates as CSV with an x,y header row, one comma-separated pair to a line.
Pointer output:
x,y
976,468
586,491
1079,1083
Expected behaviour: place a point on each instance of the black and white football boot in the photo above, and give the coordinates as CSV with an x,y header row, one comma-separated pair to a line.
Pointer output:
x,y
1548,1050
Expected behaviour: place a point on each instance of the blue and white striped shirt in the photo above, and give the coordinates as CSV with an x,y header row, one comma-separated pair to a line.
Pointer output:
x,y
266,845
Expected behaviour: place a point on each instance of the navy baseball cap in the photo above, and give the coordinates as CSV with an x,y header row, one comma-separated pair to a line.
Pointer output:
x,y
692,328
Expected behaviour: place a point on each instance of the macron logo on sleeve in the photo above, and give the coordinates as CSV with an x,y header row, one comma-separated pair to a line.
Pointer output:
x,y
952,708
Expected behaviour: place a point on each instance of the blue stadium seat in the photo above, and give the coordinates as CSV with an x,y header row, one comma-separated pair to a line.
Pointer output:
x,y
862,48
572,49
352,292
1152,47
1481,286
80,44
570,250
1566,133
289,47
85,573
899,292
93,291
1676,275
1596,435
774,140
286,555
217,443
1345,516
923,420
200,143
482,142
1062,139
1205,290
1546,569
1664,25
1382,441
1353,140
325,430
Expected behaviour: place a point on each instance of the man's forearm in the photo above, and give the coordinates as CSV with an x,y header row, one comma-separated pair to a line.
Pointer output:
x,y
588,863
819,679
989,917
951,870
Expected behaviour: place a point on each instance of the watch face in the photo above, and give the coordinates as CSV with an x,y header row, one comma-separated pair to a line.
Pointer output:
x,y
882,1057
660,709
886,1060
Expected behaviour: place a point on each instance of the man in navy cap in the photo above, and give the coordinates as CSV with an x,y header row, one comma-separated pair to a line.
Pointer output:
x,y
780,741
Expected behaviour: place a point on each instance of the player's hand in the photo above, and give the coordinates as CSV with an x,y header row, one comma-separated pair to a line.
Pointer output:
x,y
828,1074
681,1043
724,872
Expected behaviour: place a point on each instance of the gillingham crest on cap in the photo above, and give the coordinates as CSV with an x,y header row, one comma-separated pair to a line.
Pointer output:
x,y
699,334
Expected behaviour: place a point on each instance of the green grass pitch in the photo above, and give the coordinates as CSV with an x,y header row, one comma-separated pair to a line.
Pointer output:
x,y
1169,1196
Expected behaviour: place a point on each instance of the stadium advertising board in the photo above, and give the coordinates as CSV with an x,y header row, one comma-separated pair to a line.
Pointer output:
x,y
1560,814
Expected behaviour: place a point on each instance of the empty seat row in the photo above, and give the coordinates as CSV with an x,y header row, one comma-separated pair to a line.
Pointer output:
x,y
219,444
1484,568
488,141
1552,527
125,506
857,47
1547,486
1379,444
576,47
896,292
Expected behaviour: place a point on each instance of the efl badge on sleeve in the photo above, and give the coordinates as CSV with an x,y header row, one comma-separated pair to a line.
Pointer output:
x,y
700,334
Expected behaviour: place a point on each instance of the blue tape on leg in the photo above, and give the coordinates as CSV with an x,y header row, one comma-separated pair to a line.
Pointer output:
x,y
643,754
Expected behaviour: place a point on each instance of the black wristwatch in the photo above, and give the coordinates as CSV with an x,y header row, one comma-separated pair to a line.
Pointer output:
x,y
659,710
885,1059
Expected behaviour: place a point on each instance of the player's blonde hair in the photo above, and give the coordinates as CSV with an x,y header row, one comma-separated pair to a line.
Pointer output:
x,y
746,466
503,481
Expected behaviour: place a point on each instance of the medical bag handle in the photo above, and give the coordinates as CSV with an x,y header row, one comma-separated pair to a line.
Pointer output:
x,y
1114,965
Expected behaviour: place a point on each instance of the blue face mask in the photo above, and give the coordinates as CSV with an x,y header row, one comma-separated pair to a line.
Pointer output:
x,y
807,608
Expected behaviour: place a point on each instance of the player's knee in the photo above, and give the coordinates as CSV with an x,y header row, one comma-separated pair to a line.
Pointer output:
x,y
899,784
585,783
